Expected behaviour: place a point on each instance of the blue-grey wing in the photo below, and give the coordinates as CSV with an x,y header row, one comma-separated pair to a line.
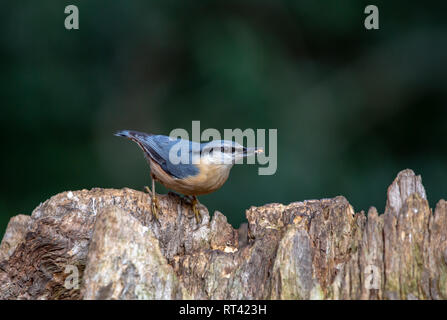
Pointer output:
x,y
159,148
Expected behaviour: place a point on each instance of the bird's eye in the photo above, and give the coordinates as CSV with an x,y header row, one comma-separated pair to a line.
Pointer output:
x,y
233,150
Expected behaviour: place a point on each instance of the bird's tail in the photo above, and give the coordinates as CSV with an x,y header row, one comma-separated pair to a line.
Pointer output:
x,y
141,138
130,134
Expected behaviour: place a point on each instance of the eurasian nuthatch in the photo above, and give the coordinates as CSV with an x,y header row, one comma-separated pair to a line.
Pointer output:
x,y
205,170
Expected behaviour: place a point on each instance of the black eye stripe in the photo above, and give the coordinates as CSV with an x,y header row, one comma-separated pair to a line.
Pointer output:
x,y
223,149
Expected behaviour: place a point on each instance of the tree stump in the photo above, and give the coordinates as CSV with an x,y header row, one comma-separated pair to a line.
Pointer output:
x,y
105,244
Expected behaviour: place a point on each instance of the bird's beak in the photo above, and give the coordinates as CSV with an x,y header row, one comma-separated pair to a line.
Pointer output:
x,y
252,151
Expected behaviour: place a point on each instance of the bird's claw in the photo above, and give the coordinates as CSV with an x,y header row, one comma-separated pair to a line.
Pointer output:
x,y
196,210
155,206
147,190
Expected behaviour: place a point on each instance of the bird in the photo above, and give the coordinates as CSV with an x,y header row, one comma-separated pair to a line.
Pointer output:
x,y
187,167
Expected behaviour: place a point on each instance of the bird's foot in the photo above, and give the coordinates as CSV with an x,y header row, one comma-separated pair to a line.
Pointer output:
x,y
147,190
196,210
155,206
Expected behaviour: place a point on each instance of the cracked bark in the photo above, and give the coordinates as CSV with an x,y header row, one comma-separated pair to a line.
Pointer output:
x,y
316,249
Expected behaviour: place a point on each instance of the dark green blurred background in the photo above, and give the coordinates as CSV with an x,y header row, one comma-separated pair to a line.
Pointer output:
x,y
352,107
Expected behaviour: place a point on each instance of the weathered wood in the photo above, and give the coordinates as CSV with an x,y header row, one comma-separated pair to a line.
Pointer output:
x,y
316,249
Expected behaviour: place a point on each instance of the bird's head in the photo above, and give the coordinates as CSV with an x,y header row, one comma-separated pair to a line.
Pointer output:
x,y
224,152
